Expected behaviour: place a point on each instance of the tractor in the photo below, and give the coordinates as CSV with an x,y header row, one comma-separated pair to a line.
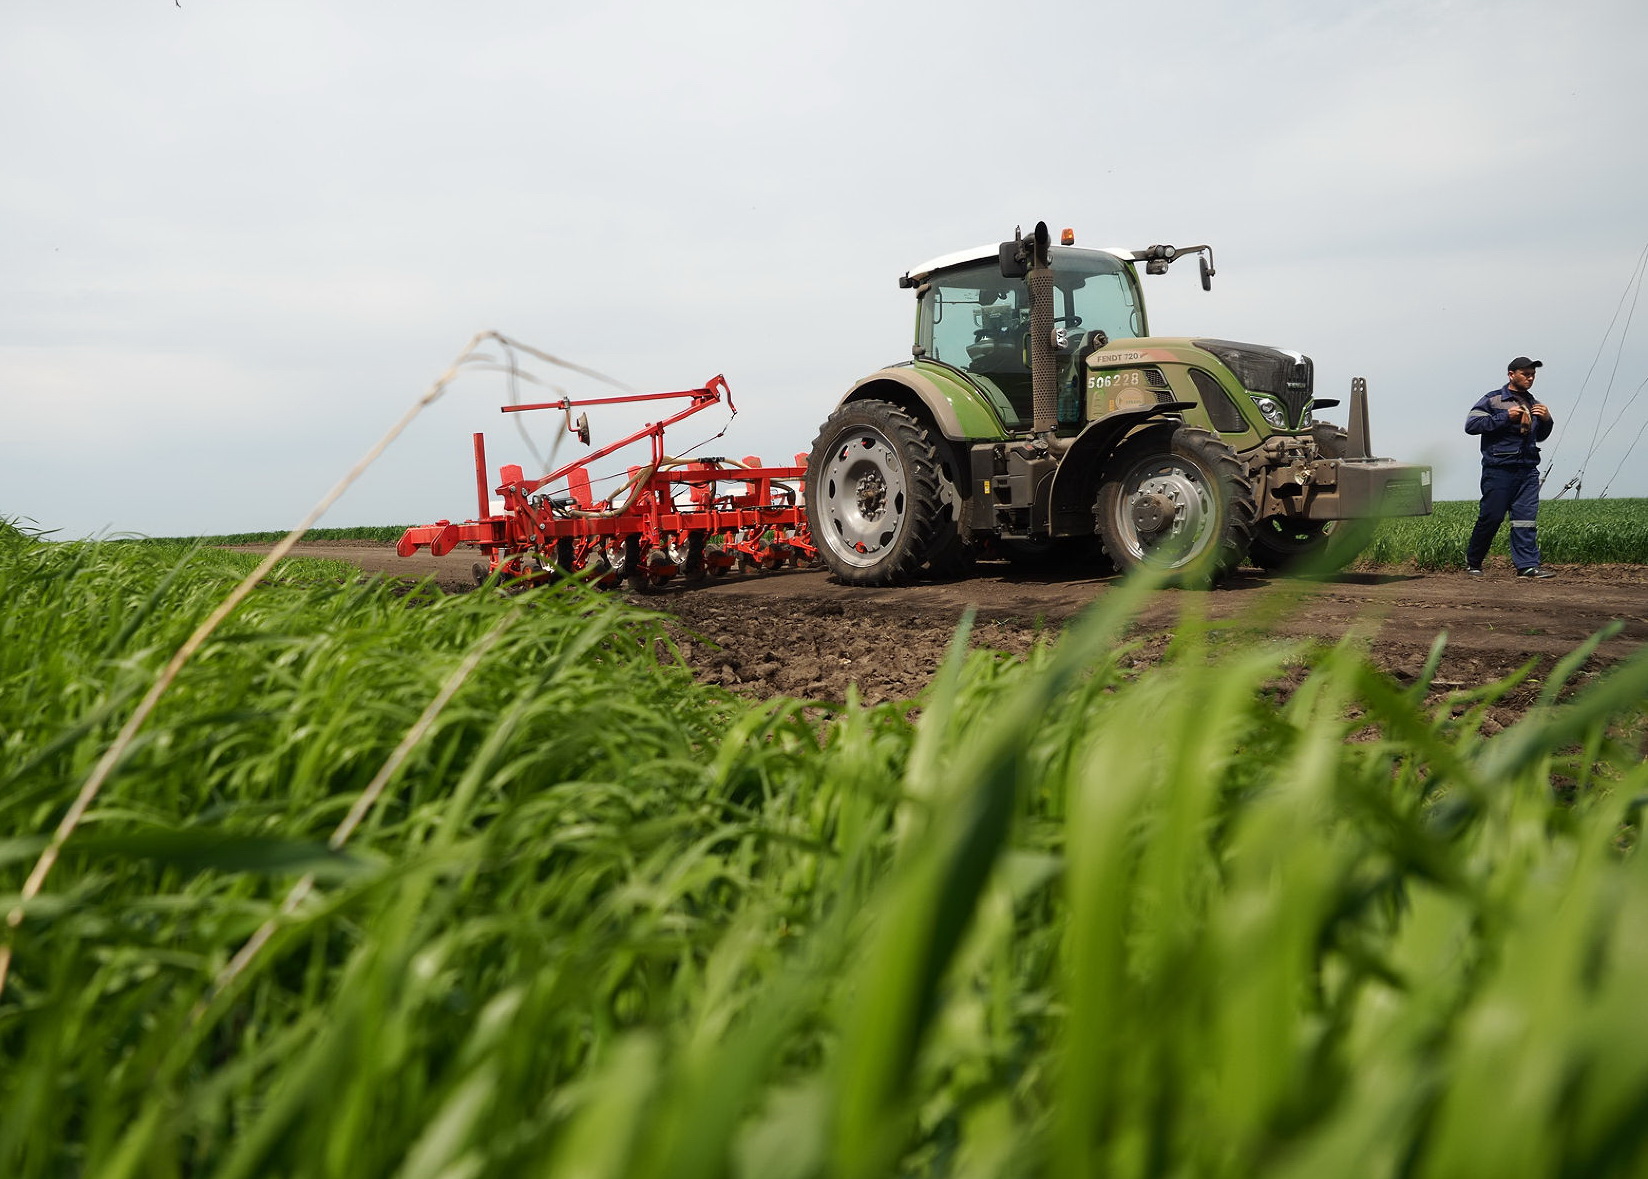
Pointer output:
x,y
1038,415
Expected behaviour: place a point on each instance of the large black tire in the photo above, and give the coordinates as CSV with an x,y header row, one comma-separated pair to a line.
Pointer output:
x,y
1178,500
950,555
876,498
1309,546
1331,441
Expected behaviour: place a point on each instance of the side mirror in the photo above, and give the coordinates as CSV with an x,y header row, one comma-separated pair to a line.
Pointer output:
x,y
1207,272
1017,256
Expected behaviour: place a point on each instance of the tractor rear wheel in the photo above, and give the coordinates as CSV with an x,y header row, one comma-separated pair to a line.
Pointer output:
x,y
875,497
1177,500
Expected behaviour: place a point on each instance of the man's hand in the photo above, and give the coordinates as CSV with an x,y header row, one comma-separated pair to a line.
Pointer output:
x,y
1540,411
1519,415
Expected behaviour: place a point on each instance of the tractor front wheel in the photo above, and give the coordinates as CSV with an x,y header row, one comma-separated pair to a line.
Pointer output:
x,y
875,495
1312,546
1176,500
1309,546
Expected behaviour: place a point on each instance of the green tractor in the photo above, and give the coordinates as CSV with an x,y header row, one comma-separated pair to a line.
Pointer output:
x,y
1038,414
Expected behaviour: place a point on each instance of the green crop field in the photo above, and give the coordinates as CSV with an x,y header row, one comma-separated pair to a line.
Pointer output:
x,y
388,533
401,884
1571,532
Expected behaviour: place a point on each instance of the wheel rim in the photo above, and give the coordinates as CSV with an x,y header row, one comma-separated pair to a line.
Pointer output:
x,y
1166,511
863,494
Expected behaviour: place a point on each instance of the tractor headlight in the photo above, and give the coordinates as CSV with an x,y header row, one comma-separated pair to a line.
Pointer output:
x,y
1272,410
1306,419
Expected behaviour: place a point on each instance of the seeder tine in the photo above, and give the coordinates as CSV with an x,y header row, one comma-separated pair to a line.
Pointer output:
x,y
702,495
755,490
578,488
718,560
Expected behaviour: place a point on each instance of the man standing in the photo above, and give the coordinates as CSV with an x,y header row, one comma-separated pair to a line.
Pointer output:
x,y
1511,425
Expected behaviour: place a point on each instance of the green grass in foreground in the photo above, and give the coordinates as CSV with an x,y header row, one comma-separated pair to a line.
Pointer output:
x,y
1069,920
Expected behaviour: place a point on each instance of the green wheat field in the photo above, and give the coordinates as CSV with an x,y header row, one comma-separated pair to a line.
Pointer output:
x,y
1571,532
393,883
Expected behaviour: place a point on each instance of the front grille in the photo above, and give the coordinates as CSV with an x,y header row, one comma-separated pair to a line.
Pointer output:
x,y
1221,410
1283,375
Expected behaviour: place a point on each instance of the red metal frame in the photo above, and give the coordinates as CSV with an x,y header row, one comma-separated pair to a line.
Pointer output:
x,y
646,538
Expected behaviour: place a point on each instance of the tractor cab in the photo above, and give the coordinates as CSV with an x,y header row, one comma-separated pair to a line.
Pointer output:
x,y
971,317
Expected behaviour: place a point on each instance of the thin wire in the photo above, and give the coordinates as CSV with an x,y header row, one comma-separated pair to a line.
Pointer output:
x,y
1633,289
1644,427
597,480
1596,431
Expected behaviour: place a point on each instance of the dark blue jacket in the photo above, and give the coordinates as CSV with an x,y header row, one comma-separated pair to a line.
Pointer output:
x,y
1506,443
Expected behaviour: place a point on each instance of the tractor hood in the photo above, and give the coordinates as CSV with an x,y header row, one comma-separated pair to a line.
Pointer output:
x,y
1287,376
1284,377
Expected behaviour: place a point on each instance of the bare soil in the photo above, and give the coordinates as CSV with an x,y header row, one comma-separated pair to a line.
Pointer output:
x,y
798,633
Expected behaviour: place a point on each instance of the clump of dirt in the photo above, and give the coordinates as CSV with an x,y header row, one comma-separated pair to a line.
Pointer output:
x,y
819,650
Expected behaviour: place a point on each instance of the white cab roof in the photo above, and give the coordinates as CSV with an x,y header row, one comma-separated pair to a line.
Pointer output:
x,y
986,253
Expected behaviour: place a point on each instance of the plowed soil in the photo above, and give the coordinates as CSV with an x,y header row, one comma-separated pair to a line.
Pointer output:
x,y
798,633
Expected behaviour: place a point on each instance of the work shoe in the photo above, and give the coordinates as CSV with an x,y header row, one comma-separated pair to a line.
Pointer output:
x,y
1474,570
1534,571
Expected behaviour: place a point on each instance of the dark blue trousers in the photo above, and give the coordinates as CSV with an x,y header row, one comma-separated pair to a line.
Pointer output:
x,y
1513,491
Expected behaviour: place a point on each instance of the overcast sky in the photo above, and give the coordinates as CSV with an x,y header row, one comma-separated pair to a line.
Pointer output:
x,y
238,238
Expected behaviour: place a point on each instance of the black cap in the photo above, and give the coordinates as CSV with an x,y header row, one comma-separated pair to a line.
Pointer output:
x,y
1522,362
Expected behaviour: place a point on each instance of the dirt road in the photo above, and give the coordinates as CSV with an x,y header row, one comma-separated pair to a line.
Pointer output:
x,y
796,632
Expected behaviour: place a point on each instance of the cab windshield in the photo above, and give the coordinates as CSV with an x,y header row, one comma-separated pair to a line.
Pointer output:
x,y
974,319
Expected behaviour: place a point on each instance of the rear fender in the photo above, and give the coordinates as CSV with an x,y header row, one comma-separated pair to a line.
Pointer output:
x,y
951,407
953,411
1076,482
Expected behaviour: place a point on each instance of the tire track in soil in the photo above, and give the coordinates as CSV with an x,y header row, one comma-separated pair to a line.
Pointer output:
x,y
797,633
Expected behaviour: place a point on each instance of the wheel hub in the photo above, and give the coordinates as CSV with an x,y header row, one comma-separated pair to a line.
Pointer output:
x,y
862,492
1166,510
872,496
1153,512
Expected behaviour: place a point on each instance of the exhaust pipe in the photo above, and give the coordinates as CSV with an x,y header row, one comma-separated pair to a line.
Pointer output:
x,y
1044,392
1027,258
